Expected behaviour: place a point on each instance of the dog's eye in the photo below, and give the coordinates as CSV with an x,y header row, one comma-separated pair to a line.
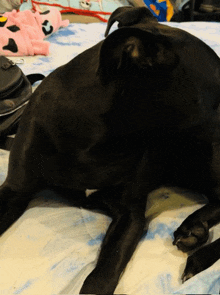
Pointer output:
x,y
165,196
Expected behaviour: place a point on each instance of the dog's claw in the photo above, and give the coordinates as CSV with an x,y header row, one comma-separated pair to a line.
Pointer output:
x,y
186,277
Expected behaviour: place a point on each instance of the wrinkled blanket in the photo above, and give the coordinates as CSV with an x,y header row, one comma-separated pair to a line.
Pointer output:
x,y
53,247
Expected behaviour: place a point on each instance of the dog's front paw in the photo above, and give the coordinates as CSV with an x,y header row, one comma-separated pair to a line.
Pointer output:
x,y
191,235
199,261
193,267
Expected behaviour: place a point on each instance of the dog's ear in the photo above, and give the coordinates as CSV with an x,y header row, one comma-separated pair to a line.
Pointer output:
x,y
131,51
128,16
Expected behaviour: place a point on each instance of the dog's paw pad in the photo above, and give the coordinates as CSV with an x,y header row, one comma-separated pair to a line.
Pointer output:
x,y
187,238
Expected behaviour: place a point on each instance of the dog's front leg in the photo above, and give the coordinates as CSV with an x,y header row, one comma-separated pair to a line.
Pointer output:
x,y
127,209
194,231
201,260
118,246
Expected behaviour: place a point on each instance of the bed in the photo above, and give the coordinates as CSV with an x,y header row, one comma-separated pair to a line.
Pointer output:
x,y
53,247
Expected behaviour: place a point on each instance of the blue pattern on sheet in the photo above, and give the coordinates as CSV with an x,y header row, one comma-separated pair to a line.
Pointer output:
x,y
51,249
24,287
97,240
162,230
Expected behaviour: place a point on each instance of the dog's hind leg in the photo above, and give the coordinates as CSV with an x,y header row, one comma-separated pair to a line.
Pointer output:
x,y
25,174
12,206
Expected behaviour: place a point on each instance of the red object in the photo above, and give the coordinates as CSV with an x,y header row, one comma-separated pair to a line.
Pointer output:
x,y
66,9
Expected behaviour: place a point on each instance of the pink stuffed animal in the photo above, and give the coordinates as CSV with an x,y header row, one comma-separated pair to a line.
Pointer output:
x,y
23,33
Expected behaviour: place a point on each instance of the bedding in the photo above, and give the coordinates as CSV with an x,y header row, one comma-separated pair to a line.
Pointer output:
x,y
53,246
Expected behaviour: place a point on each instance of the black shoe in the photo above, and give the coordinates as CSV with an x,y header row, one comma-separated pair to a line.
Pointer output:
x,y
210,6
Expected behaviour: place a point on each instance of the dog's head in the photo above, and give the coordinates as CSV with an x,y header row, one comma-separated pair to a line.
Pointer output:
x,y
139,47
138,60
163,72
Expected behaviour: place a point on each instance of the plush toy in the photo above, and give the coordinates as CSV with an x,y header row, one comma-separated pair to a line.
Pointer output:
x,y
162,9
23,33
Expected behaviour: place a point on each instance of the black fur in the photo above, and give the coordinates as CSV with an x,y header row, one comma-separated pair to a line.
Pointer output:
x,y
136,111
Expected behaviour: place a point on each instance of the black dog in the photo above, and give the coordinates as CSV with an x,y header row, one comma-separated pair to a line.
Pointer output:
x,y
136,111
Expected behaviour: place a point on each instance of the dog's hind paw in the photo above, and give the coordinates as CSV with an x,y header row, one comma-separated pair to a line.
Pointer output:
x,y
188,238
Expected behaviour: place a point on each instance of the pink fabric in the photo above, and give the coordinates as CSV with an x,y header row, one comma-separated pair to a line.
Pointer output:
x,y
23,33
